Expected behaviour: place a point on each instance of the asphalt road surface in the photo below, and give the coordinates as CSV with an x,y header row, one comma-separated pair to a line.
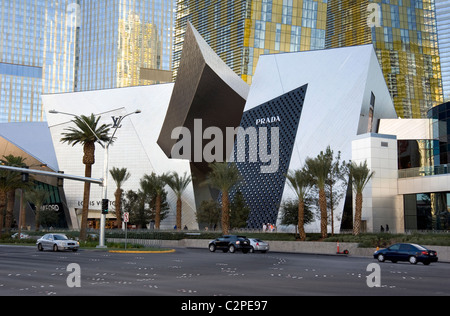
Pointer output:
x,y
24,271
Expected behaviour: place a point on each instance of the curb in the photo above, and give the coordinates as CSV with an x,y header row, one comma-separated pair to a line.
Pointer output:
x,y
137,251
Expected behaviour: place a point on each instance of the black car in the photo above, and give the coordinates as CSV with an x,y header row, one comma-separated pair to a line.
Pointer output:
x,y
406,252
230,243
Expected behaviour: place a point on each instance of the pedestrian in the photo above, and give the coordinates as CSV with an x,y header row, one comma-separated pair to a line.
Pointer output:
x,y
382,228
387,227
264,227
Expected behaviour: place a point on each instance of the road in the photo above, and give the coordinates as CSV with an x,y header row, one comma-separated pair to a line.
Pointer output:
x,y
25,271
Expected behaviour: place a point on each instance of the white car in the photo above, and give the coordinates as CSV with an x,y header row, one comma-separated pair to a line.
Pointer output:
x,y
22,236
57,242
258,245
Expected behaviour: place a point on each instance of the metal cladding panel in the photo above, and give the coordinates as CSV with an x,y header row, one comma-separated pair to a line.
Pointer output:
x,y
263,190
205,89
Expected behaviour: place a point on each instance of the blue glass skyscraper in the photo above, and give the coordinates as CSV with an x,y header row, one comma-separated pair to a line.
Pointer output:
x,y
51,46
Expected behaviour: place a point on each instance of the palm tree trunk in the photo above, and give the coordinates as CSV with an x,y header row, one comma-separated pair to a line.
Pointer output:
x,y
2,210
323,213
10,199
118,204
88,161
225,213
36,216
358,214
85,211
179,213
331,210
301,220
158,211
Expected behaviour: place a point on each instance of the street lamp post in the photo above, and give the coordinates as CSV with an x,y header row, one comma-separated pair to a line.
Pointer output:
x,y
117,125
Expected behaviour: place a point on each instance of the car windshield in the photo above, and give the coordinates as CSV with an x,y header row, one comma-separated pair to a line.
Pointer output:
x,y
59,237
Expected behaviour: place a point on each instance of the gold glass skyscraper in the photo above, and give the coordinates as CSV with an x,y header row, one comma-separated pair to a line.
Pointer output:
x,y
240,31
124,43
404,36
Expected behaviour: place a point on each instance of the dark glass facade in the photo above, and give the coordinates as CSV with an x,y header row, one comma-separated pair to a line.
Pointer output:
x,y
440,116
427,211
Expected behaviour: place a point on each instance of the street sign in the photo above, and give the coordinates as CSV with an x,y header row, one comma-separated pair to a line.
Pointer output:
x,y
126,217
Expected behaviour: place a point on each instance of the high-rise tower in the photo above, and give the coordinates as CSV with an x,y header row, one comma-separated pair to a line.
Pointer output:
x,y
77,45
125,43
239,31
37,55
404,36
443,26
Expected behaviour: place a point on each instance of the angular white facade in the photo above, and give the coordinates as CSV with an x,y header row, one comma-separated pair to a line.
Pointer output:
x,y
345,96
135,148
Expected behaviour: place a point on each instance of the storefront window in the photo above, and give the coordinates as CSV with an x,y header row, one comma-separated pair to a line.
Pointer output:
x,y
427,211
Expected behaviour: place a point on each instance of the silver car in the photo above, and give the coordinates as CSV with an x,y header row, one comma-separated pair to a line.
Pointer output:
x,y
57,242
258,245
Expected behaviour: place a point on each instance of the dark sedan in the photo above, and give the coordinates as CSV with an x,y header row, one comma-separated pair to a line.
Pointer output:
x,y
230,243
406,252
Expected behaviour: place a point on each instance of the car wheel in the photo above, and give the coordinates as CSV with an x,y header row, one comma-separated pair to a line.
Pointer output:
x,y
426,263
212,247
380,258
55,247
232,249
252,250
412,260
40,248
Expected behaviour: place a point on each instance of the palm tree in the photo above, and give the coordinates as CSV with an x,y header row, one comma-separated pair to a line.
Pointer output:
x,y
9,182
119,176
87,133
12,181
300,182
224,176
178,184
157,184
37,196
360,176
319,168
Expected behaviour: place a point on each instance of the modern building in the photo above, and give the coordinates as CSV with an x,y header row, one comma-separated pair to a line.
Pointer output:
x,y
65,46
319,98
443,28
405,39
239,31
298,105
32,141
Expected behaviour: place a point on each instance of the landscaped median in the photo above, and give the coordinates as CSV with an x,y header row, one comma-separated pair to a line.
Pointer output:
x,y
365,247
143,251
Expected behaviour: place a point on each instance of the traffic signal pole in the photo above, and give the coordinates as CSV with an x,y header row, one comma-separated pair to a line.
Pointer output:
x,y
53,174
